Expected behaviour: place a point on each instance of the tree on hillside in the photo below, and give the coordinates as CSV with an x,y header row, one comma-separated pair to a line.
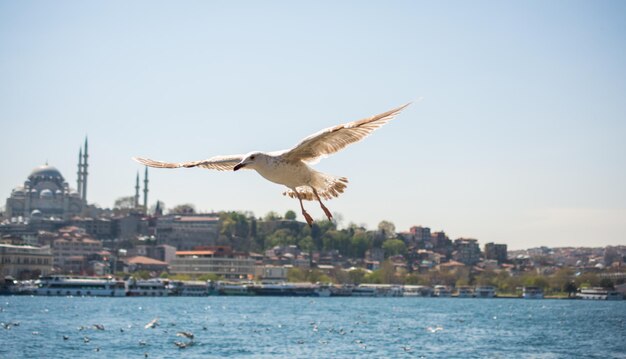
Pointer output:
x,y
561,278
393,247
338,240
290,215
359,244
387,229
281,237
487,277
386,274
306,244
271,216
356,276
235,226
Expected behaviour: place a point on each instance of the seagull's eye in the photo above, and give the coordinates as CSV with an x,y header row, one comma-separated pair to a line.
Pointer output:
x,y
252,157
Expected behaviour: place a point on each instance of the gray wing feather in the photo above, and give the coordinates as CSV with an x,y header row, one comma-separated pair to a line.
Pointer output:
x,y
220,163
333,139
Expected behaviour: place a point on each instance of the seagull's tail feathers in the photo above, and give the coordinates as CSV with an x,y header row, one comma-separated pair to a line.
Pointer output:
x,y
327,188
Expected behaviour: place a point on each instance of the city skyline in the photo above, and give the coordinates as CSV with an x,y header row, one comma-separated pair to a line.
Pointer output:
x,y
518,138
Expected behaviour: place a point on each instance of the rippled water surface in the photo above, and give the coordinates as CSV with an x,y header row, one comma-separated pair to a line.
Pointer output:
x,y
307,327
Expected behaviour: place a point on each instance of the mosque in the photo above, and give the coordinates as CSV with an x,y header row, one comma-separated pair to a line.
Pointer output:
x,y
47,195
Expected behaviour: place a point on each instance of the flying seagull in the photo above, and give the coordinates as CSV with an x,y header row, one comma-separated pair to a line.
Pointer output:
x,y
291,167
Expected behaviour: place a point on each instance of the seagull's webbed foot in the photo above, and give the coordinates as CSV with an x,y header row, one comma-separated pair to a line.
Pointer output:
x,y
308,218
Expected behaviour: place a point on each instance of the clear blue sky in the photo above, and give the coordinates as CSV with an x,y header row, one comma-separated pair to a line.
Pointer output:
x,y
520,137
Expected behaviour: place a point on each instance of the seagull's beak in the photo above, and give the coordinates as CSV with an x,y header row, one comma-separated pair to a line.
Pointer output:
x,y
238,166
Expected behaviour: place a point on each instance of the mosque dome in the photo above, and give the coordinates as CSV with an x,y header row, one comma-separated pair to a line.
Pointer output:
x,y
44,172
18,190
46,193
35,213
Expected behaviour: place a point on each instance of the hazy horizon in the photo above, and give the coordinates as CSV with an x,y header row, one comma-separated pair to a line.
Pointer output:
x,y
519,138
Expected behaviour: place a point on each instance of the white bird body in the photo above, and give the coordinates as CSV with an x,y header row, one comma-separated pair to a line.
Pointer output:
x,y
275,168
290,167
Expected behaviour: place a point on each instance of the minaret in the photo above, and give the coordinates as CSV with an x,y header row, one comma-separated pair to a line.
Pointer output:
x,y
158,211
79,181
145,191
137,191
85,172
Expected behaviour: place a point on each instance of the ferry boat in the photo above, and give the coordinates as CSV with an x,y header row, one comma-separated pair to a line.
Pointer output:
x,y
62,285
282,289
291,289
322,290
343,290
532,293
465,292
599,293
442,291
378,290
485,291
417,291
146,288
188,288
230,288
194,289
363,291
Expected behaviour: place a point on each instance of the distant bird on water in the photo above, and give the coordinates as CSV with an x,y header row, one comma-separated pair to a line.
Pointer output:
x,y
291,167
153,323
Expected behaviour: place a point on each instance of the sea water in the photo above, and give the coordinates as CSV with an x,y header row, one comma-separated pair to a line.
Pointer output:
x,y
269,327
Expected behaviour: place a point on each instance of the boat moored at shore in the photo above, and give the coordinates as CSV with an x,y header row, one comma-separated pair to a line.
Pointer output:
x,y
417,291
465,292
532,293
485,291
146,288
442,291
599,293
63,285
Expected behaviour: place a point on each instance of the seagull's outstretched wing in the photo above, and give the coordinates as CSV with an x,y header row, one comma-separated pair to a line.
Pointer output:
x,y
333,139
220,163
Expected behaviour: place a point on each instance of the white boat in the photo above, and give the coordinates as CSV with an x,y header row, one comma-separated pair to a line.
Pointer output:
x,y
599,293
532,293
322,290
465,292
395,291
146,288
344,290
62,285
485,291
377,290
363,291
228,288
442,291
193,289
270,288
417,291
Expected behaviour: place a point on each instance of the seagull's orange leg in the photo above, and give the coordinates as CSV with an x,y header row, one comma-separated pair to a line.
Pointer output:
x,y
326,211
307,216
